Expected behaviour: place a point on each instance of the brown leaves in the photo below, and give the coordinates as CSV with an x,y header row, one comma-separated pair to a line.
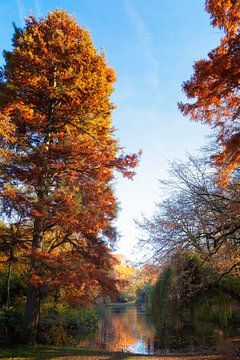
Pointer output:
x,y
59,150
225,14
214,87
81,279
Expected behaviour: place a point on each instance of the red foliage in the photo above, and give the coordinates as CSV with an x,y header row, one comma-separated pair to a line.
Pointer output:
x,y
59,153
214,87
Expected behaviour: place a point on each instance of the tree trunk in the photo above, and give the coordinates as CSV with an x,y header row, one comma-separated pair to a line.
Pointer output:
x,y
9,283
32,306
31,316
56,298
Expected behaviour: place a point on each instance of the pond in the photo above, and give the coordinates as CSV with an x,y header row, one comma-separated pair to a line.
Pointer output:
x,y
129,328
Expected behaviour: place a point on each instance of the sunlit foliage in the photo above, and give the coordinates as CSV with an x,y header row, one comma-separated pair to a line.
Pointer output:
x,y
214,87
58,156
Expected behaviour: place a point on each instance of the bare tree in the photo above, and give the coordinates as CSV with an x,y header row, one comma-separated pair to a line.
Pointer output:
x,y
198,215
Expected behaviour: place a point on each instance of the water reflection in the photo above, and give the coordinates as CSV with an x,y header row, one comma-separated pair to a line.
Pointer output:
x,y
123,328
128,328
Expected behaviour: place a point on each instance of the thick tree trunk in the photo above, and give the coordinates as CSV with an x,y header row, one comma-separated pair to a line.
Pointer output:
x,y
31,316
32,306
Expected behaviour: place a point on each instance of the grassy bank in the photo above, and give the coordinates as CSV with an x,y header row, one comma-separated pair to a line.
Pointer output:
x,y
68,353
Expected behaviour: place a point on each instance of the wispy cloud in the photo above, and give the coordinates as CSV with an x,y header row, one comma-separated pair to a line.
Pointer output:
x,y
37,7
20,8
145,40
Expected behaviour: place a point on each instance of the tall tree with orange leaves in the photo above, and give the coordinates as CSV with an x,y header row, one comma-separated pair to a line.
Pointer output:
x,y
214,87
58,156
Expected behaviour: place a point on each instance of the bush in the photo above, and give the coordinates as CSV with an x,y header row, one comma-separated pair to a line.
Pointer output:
x,y
59,327
186,290
65,325
17,287
10,325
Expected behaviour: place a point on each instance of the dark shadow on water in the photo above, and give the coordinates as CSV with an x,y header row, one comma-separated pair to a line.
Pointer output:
x,y
129,328
125,331
40,352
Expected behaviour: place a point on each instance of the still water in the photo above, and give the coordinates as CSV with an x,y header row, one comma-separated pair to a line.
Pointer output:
x,y
128,328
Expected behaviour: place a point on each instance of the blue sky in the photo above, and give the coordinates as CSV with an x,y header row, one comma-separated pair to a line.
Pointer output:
x,y
152,46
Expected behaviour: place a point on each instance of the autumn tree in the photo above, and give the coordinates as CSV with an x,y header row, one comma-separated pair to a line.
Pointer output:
x,y
194,236
214,87
58,156
198,215
124,272
133,279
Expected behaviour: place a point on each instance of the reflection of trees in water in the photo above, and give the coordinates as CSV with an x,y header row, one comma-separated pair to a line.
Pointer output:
x,y
121,327
128,328
180,331
187,312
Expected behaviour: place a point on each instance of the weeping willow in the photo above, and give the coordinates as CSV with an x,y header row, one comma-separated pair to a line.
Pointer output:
x,y
186,292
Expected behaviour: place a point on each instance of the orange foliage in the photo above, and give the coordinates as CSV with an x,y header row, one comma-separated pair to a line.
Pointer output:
x,y
124,273
214,87
130,278
225,14
122,329
81,275
59,153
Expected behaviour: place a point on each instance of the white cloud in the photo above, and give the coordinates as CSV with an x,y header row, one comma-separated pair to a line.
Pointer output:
x,y
145,40
20,11
37,7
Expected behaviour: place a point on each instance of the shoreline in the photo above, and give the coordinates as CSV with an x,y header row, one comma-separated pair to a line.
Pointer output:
x,y
229,352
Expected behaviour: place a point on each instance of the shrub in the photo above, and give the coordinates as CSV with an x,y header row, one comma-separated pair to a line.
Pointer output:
x,y
65,325
10,325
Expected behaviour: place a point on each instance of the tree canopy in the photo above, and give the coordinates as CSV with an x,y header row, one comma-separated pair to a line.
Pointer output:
x,y
58,156
198,215
214,87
